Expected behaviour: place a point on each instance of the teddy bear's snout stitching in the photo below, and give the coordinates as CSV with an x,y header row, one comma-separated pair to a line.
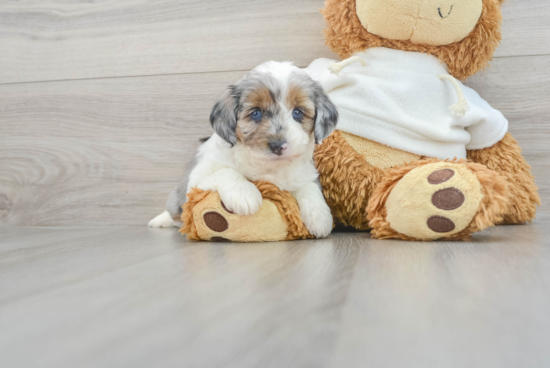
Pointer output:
x,y
449,13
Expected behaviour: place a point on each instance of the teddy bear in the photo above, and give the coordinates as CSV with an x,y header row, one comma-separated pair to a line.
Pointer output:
x,y
416,155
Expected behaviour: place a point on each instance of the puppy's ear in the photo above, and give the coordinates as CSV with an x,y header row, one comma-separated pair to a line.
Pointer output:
x,y
223,117
326,114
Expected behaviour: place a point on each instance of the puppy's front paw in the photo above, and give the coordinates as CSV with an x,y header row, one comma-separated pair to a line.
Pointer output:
x,y
318,219
243,198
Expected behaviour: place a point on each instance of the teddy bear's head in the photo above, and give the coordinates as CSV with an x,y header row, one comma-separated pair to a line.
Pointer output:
x,y
462,33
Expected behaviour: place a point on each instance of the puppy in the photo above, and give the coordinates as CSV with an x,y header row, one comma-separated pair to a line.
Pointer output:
x,y
266,127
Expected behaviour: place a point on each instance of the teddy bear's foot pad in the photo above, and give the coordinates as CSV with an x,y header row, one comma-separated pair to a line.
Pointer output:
x,y
214,222
445,199
440,224
434,201
205,217
448,199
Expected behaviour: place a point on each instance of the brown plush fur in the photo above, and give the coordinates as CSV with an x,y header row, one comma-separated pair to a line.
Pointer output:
x,y
345,35
283,200
494,187
288,207
348,181
505,158
189,227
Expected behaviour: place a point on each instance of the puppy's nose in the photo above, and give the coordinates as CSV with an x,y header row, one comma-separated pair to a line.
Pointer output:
x,y
277,147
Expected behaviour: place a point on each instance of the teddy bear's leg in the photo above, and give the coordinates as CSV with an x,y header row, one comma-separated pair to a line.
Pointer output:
x,y
432,199
205,217
348,181
506,159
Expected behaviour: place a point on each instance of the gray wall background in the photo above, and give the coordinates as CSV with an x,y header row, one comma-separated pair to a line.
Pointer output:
x,y
101,103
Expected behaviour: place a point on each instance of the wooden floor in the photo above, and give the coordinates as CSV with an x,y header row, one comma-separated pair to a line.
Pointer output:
x,y
138,297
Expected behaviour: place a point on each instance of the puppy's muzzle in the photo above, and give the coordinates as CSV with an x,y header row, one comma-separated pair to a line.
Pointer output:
x,y
278,147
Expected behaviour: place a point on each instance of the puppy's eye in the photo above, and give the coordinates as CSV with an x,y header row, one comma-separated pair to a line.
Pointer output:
x,y
256,115
297,114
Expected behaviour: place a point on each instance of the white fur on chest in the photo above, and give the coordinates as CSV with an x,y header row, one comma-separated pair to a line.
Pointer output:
x,y
288,174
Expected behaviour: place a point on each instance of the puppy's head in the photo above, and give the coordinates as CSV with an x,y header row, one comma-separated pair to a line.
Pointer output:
x,y
276,111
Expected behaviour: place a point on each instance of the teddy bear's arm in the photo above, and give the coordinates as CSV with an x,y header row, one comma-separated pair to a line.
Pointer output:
x,y
505,158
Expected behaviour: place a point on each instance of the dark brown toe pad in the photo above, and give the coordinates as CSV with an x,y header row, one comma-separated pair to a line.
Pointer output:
x,y
219,239
440,224
440,176
448,199
227,210
215,222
